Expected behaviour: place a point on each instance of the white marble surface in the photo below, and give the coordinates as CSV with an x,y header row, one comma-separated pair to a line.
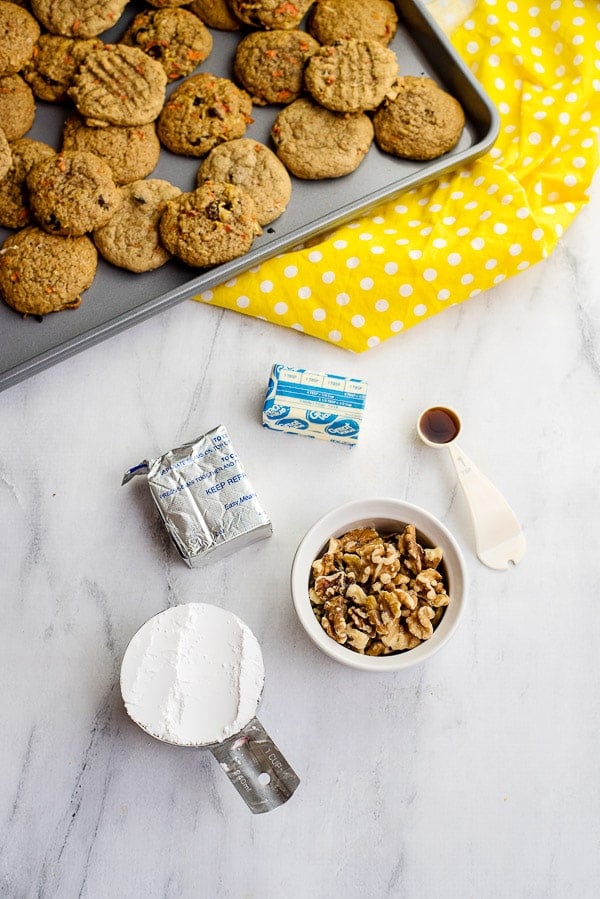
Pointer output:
x,y
475,775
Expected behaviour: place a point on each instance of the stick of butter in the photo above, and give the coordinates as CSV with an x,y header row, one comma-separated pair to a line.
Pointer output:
x,y
325,406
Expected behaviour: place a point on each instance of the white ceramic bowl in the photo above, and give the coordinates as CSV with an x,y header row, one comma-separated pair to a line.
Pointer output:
x,y
386,515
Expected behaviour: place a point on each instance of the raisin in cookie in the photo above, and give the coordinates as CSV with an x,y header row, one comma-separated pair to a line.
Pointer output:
x,y
78,18
175,38
203,111
131,152
270,64
270,13
130,240
314,143
72,193
367,20
19,32
250,165
14,195
54,63
351,76
419,120
211,225
119,85
42,273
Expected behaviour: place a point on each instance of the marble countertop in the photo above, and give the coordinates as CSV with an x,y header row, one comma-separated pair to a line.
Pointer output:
x,y
474,774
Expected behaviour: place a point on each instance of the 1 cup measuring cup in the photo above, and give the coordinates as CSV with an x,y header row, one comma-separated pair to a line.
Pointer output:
x,y
499,540
193,676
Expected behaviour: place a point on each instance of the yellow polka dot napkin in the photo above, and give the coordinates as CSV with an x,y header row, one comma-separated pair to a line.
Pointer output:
x,y
448,240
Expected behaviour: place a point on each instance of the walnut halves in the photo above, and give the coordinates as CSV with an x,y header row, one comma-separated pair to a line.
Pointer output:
x,y
378,595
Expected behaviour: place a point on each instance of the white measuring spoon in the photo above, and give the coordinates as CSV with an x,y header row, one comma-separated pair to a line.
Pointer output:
x,y
499,540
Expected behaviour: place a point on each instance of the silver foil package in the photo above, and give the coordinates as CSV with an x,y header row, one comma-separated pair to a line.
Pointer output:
x,y
205,498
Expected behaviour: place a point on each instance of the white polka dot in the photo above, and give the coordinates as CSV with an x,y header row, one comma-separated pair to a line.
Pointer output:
x,y
358,321
378,220
328,277
377,251
491,263
467,279
243,302
280,308
231,283
405,290
382,305
367,283
454,259
401,209
523,265
515,249
493,59
579,162
485,215
522,212
564,118
430,274
352,262
335,335
457,195
297,327
500,228
319,315
425,231
290,271
365,236
435,207
340,244
535,138
499,278
396,326
420,309
448,220
342,299
570,180
207,295
390,268
571,97
315,256
462,232
266,286
537,233
304,293
472,204
443,295
439,243
415,254
478,243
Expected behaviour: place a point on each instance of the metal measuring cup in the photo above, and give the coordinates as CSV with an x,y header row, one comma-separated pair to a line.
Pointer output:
x,y
249,757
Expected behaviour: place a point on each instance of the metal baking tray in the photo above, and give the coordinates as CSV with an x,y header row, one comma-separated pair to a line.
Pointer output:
x,y
118,299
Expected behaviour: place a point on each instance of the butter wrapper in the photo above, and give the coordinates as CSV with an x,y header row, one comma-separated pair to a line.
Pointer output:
x,y
205,498
324,406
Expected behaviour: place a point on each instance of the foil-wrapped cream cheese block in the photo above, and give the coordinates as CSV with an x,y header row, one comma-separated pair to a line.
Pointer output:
x,y
325,406
205,498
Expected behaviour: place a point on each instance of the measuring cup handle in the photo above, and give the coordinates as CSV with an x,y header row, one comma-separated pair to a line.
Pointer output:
x,y
256,768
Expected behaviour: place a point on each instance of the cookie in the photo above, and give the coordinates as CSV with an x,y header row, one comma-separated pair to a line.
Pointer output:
x,y
55,60
5,155
250,165
419,121
78,18
314,143
216,14
19,32
42,273
17,106
72,193
203,111
367,20
131,152
211,225
270,13
14,195
130,240
175,38
270,64
351,76
166,4
119,85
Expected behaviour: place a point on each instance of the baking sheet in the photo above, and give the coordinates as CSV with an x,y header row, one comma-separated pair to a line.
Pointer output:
x,y
118,299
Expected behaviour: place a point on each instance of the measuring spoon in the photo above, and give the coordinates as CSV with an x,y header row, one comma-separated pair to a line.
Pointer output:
x,y
499,539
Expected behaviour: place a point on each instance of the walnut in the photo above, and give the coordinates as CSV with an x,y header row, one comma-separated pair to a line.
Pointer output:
x,y
378,595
